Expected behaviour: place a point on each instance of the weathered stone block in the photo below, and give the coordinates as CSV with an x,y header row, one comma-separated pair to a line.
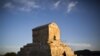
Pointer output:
x,y
46,42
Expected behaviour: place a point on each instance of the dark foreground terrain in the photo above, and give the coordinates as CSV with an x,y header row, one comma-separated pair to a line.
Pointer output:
x,y
79,53
87,53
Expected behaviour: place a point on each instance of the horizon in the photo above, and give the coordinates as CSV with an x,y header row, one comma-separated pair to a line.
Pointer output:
x,y
78,21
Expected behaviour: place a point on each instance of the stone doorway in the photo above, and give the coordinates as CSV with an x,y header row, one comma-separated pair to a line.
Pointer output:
x,y
64,54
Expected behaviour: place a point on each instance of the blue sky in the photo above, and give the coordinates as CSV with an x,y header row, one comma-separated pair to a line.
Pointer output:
x,y
78,21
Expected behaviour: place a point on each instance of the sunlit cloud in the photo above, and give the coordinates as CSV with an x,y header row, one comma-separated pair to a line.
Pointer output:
x,y
22,5
71,5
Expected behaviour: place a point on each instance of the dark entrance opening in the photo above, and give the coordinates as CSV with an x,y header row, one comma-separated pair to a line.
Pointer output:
x,y
54,38
64,54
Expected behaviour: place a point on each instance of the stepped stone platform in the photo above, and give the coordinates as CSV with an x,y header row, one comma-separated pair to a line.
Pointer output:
x,y
46,42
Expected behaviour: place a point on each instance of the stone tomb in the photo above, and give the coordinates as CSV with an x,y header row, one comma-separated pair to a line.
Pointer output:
x,y
46,42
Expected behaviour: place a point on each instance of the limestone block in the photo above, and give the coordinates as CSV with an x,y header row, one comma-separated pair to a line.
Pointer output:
x,y
46,42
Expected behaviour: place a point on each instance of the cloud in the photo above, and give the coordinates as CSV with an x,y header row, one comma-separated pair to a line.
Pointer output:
x,y
22,5
30,5
8,5
57,4
9,48
71,5
80,44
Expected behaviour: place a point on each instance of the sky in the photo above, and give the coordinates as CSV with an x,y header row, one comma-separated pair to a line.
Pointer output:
x,y
78,20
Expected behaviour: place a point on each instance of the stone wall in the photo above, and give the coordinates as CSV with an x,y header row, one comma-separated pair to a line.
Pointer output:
x,y
40,35
46,42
